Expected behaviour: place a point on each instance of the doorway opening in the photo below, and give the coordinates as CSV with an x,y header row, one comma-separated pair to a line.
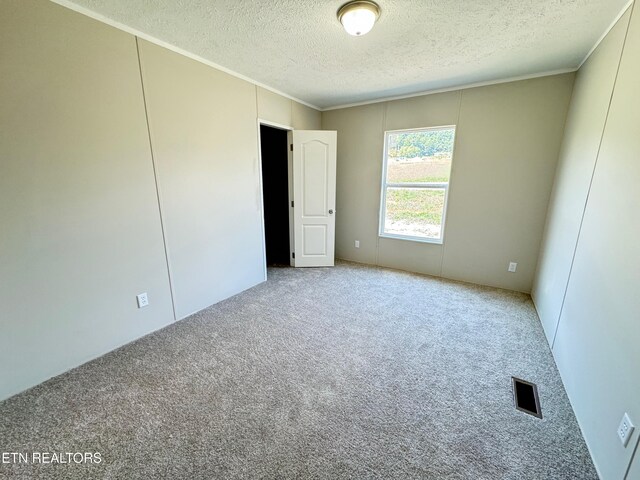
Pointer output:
x,y
275,195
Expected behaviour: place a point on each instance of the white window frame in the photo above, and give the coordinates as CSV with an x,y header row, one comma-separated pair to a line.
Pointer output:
x,y
438,185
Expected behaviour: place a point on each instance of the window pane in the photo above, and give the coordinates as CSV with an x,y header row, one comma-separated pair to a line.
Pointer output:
x,y
414,212
420,156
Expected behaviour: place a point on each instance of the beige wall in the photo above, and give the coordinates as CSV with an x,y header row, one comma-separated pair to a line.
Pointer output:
x,y
507,143
583,132
84,200
359,145
203,131
305,118
274,108
81,232
596,345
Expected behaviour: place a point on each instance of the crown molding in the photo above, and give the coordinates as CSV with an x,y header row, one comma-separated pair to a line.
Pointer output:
x,y
453,89
125,28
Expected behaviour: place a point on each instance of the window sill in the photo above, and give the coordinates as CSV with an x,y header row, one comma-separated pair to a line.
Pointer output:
x,y
435,241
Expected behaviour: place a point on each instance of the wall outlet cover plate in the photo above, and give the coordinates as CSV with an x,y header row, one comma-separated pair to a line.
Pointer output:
x,y
625,430
142,299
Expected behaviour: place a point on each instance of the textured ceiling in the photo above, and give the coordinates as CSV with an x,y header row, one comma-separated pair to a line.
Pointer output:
x,y
298,46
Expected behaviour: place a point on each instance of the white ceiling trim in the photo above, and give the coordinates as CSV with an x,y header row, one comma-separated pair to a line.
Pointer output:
x,y
120,26
493,82
606,32
453,89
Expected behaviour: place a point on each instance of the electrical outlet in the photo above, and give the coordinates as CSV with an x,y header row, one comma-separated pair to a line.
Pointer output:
x,y
625,430
143,300
357,243
512,266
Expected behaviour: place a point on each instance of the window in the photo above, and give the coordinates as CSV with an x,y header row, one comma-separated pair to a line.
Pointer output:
x,y
415,183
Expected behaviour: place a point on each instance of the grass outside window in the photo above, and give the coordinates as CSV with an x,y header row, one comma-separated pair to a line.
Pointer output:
x,y
417,169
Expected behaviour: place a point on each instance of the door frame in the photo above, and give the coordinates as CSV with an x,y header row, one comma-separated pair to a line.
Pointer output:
x,y
279,126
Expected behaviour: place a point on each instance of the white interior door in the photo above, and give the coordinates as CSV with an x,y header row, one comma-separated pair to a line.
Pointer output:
x,y
314,197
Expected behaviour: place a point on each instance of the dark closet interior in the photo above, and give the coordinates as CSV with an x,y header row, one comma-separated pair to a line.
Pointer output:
x,y
275,192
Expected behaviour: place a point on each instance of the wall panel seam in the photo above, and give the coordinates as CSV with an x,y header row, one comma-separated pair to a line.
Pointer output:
x,y
261,192
595,166
444,243
155,178
384,128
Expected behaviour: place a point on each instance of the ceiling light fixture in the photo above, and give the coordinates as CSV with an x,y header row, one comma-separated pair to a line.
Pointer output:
x,y
358,17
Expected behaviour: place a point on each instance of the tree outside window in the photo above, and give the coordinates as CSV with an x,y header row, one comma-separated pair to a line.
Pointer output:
x,y
415,187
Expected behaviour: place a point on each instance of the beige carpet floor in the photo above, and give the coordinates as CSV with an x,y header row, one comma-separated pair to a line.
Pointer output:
x,y
346,372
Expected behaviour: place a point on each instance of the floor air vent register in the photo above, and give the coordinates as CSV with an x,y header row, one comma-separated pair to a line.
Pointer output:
x,y
525,396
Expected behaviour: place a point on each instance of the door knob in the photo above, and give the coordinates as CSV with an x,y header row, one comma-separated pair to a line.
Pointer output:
x,y
330,212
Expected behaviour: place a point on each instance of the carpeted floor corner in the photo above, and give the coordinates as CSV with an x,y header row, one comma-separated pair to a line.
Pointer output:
x,y
345,372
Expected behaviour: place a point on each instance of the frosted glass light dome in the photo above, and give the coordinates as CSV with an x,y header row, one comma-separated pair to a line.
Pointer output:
x,y
358,17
